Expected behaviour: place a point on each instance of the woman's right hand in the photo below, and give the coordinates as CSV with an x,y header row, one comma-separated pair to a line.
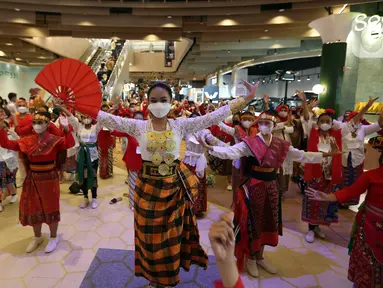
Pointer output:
x,y
320,196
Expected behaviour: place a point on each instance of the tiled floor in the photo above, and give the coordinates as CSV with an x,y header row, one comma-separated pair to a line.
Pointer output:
x,y
82,232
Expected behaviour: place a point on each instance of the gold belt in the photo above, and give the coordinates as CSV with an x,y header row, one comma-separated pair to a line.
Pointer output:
x,y
150,170
42,168
262,169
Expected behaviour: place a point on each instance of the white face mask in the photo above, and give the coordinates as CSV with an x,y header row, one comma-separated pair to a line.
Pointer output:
x,y
283,114
22,110
325,127
246,124
160,110
265,129
87,121
39,128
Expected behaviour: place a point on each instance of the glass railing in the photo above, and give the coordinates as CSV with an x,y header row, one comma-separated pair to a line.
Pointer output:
x,y
110,87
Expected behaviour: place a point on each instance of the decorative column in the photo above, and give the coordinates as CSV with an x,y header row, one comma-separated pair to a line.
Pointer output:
x,y
333,30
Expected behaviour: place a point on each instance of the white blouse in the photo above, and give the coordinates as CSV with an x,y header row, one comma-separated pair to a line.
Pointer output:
x,y
180,126
10,157
86,135
71,151
242,150
355,146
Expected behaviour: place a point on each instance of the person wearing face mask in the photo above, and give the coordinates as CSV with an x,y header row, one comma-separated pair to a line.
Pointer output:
x,y
69,163
257,200
327,176
245,129
132,159
366,243
87,155
8,168
40,198
106,144
196,161
165,186
354,153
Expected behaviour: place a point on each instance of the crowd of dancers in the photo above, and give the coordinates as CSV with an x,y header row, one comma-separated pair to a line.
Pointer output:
x,y
257,155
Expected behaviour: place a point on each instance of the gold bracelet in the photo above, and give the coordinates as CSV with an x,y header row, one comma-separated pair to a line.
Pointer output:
x,y
237,105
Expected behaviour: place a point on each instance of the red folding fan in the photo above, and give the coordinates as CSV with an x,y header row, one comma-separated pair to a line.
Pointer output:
x,y
75,83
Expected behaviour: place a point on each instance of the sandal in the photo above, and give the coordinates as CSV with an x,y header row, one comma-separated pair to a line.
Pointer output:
x,y
115,200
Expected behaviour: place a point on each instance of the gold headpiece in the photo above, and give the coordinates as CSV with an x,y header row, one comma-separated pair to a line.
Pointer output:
x,y
265,116
41,117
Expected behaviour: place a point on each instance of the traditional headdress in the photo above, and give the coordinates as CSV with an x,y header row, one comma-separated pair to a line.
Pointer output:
x,y
351,115
267,116
280,107
41,117
21,101
248,115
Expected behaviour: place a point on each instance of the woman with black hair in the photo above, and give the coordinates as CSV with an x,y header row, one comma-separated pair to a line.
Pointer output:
x,y
166,233
39,202
326,176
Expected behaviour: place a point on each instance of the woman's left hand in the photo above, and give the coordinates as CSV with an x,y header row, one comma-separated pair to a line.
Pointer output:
x,y
64,123
316,195
222,238
334,149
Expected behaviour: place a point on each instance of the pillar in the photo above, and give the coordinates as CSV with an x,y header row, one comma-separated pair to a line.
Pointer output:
x,y
333,30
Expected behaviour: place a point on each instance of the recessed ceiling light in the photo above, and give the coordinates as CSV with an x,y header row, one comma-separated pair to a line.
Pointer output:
x,y
130,64
41,57
2,54
9,44
228,51
266,30
170,17
19,59
281,10
17,9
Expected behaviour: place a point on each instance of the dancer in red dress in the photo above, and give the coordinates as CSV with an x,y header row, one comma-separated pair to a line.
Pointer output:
x,y
106,143
366,244
40,197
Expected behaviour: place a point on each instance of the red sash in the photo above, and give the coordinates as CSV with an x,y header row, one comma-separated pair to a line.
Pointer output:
x,y
31,145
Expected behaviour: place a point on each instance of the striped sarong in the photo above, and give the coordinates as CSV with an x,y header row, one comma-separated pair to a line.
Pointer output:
x,y
132,186
166,233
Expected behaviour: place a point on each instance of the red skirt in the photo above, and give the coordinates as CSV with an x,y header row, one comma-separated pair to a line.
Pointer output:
x,y
70,164
106,163
366,267
40,199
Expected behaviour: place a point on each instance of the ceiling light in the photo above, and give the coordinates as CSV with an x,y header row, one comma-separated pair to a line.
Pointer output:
x,y
194,78
40,57
281,10
130,64
228,51
17,9
170,17
266,30
299,79
308,78
2,54
9,44
18,59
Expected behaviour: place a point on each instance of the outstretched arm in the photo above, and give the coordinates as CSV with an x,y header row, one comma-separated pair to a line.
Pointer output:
x,y
5,142
227,129
112,122
231,152
192,125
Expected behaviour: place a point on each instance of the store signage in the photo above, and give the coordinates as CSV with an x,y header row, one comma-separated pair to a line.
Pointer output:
x,y
211,92
6,73
363,22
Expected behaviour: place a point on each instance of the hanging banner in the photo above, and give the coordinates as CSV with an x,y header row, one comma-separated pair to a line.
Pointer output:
x,y
169,53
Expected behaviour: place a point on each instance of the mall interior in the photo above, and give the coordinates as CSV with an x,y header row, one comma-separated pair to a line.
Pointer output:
x,y
310,60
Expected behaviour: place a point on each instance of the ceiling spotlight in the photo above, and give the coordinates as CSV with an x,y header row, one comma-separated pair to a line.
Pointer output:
x,y
299,79
130,64
17,9
263,81
266,30
40,57
18,59
228,51
9,44
308,78
281,10
170,17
